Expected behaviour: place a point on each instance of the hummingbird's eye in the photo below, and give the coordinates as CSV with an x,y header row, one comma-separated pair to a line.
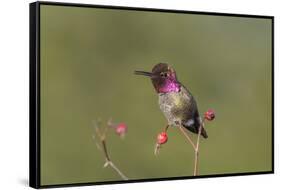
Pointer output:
x,y
164,75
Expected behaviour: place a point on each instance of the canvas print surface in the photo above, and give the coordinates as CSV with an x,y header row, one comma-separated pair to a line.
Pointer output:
x,y
100,120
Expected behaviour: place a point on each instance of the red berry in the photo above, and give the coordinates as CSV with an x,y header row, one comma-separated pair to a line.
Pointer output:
x,y
162,138
121,129
209,115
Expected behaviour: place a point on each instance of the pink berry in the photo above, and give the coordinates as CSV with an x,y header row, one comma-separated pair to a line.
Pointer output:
x,y
162,138
209,115
121,129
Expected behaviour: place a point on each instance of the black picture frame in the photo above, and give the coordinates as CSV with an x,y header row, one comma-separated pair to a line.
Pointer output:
x,y
34,98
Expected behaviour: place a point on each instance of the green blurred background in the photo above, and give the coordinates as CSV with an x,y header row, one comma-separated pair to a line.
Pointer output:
x,y
88,56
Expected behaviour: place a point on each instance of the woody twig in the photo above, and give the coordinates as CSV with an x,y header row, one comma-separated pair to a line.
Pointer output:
x,y
100,139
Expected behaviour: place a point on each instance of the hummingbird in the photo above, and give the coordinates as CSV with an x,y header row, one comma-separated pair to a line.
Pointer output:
x,y
175,100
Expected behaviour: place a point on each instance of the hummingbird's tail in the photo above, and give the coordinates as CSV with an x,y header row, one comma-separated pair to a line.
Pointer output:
x,y
204,133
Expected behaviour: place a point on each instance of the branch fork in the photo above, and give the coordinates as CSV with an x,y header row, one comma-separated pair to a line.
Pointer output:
x,y
101,144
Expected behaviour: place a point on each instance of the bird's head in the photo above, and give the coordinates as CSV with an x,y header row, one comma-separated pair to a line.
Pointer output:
x,y
163,77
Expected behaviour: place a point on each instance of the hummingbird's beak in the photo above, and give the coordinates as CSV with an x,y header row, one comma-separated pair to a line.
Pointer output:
x,y
144,73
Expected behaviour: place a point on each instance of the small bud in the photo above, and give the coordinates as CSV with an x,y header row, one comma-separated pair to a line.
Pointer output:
x,y
121,129
209,115
162,138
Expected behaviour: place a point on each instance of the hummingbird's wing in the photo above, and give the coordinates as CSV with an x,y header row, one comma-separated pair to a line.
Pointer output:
x,y
192,120
193,125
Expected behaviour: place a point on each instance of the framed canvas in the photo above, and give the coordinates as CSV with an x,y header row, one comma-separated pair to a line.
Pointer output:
x,y
126,94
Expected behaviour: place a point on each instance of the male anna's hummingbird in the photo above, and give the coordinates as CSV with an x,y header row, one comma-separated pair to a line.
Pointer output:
x,y
176,102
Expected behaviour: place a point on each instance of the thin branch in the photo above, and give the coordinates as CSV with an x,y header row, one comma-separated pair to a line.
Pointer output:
x,y
196,152
157,148
103,148
166,128
97,144
117,170
187,137
195,147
